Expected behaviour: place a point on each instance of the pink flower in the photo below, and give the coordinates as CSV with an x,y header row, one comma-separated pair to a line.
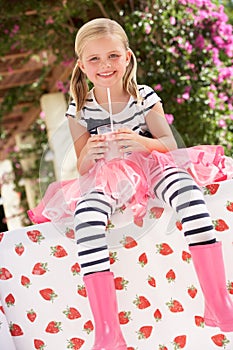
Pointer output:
x,y
186,96
158,87
200,42
170,118
180,100
172,21
49,20
222,123
42,115
147,28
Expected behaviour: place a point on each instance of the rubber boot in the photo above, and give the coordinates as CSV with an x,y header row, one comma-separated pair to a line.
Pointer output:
x,y
101,293
209,266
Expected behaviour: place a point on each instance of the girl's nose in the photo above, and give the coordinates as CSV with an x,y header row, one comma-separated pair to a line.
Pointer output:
x,y
106,63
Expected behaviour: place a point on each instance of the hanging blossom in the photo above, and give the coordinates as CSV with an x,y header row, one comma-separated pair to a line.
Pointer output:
x,y
147,28
222,123
158,87
170,118
212,101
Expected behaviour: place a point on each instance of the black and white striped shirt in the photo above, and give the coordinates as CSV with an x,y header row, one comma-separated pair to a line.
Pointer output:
x,y
133,115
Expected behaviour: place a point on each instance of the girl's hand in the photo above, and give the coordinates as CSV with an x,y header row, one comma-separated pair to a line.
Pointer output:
x,y
129,141
95,148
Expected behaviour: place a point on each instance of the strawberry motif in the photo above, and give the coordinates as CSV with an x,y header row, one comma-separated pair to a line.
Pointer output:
x,y
53,327
122,209
164,249
186,256
75,269
179,342
229,206
124,317
192,291
142,260
75,343
5,274
31,315
19,249
35,236
156,212
174,306
151,281
88,327
138,221
220,225
230,287
113,257
220,340
1,309
120,283
179,225
15,330
157,315
141,302
1,236
144,332
39,344
128,242
58,251
170,276
48,294
162,347
211,189
199,321
109,226
70,233
71,313
25,281
40,268
82,291
10,300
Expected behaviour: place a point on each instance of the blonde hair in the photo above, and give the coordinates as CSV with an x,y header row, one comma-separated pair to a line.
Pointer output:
x,y
94,29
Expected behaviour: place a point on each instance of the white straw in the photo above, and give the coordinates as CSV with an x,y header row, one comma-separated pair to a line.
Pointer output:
x,y
110,108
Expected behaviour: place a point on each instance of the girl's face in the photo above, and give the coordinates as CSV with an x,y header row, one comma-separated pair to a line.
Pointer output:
x,y
104,61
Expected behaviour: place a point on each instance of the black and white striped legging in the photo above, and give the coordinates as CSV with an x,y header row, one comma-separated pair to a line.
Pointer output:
x,y
175,187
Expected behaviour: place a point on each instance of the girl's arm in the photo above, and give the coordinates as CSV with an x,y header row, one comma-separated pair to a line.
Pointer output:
x,y
88,149
163,139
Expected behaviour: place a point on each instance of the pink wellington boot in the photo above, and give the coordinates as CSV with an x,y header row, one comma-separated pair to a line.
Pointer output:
x,y
209,266
101,293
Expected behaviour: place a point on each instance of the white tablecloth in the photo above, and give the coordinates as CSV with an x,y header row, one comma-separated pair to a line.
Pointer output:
x,y
44,306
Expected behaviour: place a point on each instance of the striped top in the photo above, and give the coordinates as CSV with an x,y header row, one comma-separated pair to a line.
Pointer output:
x,y
133,115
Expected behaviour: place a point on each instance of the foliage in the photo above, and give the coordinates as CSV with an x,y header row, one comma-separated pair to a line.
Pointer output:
x,y
34,154
185,50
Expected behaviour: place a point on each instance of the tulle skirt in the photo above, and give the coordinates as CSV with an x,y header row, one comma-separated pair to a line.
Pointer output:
x,y
131,180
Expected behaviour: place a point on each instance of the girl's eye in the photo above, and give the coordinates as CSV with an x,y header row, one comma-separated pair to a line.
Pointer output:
x,y
94,59
114,55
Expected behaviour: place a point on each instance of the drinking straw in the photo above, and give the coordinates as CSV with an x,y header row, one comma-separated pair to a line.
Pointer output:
x,y
110,108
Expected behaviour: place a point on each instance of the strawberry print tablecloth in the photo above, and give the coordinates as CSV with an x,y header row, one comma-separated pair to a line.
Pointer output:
x,y
43,303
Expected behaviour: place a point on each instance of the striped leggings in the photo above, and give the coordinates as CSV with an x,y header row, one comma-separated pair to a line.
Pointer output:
x,y
175,187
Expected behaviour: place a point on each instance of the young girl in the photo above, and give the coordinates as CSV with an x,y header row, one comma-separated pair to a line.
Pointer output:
x,y
148,165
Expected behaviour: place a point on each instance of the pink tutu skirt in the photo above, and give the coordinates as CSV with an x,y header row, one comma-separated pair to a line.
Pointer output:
x,y
130,181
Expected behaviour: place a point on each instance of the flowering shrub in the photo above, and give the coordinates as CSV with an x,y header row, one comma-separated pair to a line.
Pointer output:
x,y
185,51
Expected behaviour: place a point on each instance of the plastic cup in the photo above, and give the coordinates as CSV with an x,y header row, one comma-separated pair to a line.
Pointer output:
x,y
113,149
